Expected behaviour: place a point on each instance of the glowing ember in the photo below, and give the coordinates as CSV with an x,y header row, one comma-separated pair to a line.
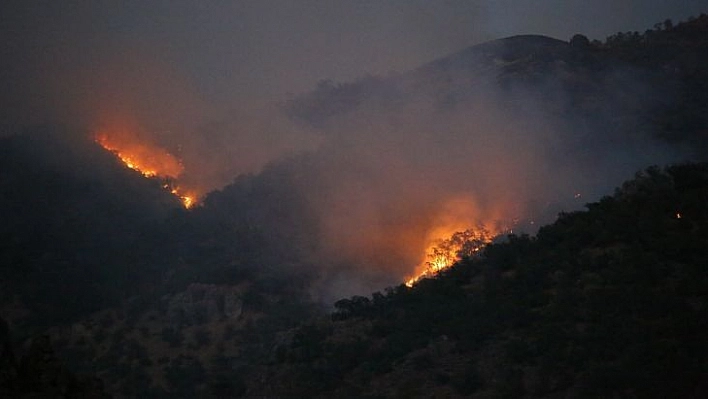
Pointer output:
x,y
188,200
444,252
150,161
146,159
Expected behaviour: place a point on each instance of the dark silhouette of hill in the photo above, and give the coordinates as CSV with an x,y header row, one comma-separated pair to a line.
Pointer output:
x,y
518,61
39,373
75,225
605,302
679,52
652,82
87,241
218,300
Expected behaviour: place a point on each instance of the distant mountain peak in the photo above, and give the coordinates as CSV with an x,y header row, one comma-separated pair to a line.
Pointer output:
x,y
501,50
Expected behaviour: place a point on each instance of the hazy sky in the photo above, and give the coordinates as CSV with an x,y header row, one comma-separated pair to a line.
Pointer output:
x,y
230,50
200,79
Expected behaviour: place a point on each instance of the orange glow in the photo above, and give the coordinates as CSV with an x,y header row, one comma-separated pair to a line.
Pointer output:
x,y
444,252
149,160
459,230
188,199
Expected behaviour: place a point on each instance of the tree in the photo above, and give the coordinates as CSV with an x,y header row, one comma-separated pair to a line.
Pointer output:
x,y
579,41
668,24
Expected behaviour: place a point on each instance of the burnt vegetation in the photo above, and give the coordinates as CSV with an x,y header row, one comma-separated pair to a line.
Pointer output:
x,y
159,301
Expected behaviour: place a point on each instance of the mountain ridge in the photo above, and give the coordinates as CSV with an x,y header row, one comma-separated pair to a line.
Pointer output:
x,y
220,301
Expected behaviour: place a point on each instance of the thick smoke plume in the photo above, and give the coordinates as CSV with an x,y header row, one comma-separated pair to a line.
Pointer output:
x,y
382,165
401,161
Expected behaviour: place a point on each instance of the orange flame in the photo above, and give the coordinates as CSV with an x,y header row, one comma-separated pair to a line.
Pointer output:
x,y
188,199
442,253
150,161
453,236
146,159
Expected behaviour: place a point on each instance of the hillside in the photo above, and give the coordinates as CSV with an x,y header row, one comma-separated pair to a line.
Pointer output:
x,y
610,301
233,297
651,82
607,302
40,373
73,219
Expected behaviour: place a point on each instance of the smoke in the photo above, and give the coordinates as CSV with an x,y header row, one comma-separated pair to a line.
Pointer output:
x,y
180,63
404,160
597,19
383,164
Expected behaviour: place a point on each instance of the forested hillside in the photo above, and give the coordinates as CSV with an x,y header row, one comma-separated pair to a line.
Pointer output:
x,y
75,223
607,302
103,272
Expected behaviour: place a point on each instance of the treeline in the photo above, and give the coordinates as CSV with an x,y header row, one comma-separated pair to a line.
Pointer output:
x,y
674,53
75,227
694,28
612,301
80,232
38,373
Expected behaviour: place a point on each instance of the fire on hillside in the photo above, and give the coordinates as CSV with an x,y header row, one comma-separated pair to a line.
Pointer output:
x,y
150,161
442,252
461,228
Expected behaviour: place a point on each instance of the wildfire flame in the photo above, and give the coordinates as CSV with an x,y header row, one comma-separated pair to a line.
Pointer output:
x,y
147,159
188,200
442,253
150,161
459,228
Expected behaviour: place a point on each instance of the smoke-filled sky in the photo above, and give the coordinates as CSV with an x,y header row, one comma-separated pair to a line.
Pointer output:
x,y
208,80
189,57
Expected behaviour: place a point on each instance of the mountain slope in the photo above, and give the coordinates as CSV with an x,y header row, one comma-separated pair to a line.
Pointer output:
x,y
612,301
161,301
73,220
633,83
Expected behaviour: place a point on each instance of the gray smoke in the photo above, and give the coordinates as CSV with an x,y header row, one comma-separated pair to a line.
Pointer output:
x,y
390,157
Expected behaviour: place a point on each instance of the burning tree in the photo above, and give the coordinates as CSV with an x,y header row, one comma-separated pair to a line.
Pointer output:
x,y
444,252
461,244
151,161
